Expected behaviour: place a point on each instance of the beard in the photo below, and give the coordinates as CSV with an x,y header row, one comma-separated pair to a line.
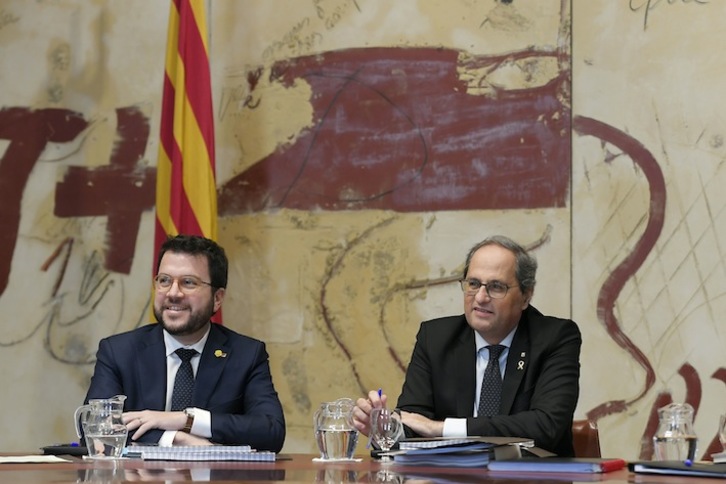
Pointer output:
x,y
197,320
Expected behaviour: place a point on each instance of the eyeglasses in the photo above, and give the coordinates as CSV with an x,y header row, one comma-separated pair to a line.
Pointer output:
x,y
187,284
495,289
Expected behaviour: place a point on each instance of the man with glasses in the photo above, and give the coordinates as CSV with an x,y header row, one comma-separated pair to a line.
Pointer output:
x,y
532,385
187,381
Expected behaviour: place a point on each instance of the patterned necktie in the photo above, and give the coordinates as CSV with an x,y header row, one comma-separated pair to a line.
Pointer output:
x,y
181,397
491,384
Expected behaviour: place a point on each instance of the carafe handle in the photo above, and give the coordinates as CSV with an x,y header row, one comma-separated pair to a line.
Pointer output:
x,y
80,413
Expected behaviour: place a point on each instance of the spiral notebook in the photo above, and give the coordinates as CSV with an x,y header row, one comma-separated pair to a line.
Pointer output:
x,y
428,443
201,453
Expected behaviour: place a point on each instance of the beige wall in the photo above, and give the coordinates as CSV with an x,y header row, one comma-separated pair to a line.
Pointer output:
x,y
338,294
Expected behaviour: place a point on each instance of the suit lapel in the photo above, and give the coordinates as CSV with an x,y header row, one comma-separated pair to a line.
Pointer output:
x,y
465,357
151,370
517,363
214,358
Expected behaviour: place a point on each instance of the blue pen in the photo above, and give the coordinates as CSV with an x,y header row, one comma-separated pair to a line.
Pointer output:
x,y
368,445
688,463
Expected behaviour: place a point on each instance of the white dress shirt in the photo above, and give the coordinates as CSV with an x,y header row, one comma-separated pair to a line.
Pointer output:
x,y
202,419
456,427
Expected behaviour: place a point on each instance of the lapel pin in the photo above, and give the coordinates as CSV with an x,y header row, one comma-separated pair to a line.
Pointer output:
x,y
220,354
522,354
520,365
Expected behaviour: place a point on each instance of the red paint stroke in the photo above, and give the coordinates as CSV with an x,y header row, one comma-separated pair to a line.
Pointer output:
x,y
614,284
120,191
29,131
694,391
67,244
394,129
715,445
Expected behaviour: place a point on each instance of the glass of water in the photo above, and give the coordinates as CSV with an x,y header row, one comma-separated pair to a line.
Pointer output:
x,y
386,429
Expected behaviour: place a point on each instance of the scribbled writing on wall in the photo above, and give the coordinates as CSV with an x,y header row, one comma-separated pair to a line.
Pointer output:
x,y
331,15
646,7
295,41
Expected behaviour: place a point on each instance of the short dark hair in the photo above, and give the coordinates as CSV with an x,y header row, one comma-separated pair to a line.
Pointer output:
x,y
198,245
525,269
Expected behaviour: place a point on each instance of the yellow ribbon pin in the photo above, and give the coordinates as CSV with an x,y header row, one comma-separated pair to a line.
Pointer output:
x,y
220,354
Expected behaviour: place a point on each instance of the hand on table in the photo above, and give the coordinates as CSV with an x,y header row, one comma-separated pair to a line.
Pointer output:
x,y
142,421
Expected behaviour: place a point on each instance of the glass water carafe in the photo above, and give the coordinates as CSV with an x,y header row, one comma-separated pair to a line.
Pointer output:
x,y
334,431
675,438
101,423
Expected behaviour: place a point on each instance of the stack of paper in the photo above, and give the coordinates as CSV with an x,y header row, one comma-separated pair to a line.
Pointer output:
x,y
679,468
28,459
456,452
200,453
426,443
468,454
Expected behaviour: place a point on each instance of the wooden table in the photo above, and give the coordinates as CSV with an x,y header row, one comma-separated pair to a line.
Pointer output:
x,y
296,468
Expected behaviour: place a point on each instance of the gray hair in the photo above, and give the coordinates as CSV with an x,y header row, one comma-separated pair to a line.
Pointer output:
x,y
525,268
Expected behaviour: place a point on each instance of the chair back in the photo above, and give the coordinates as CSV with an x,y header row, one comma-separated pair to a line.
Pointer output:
x,y
585,438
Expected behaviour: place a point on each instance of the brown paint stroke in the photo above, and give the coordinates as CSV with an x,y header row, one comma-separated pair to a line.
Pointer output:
x,y
120,191
333,269
395,129
615,282
29,131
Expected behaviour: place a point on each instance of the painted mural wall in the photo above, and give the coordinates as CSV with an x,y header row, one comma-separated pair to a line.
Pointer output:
x,y
362,147
648,241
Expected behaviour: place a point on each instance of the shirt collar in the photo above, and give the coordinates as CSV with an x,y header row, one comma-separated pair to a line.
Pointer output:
x,y
172,344
482,343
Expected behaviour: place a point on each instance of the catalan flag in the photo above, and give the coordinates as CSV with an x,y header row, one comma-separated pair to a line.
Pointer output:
x,y
186,192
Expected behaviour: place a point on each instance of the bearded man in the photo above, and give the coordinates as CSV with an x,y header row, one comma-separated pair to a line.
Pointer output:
x,y
188,381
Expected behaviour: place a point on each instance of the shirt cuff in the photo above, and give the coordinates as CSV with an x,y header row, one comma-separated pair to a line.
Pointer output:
x,y
167,438
454,427
202,426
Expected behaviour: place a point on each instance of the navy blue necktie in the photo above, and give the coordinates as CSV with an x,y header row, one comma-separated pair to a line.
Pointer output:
x,y
491,384
181,396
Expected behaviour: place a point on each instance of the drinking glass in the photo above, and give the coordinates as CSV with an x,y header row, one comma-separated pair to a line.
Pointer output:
x,y
386,429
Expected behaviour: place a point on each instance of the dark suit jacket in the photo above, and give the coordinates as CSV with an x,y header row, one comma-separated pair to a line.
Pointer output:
x,y
233,382
540,388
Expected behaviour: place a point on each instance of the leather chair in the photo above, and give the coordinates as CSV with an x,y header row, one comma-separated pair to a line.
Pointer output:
x,y
586,438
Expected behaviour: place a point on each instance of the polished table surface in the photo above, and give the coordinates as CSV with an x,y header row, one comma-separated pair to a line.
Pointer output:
x,y
294,468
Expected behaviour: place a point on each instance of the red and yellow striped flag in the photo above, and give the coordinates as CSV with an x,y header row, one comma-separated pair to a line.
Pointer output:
x,y
186,192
